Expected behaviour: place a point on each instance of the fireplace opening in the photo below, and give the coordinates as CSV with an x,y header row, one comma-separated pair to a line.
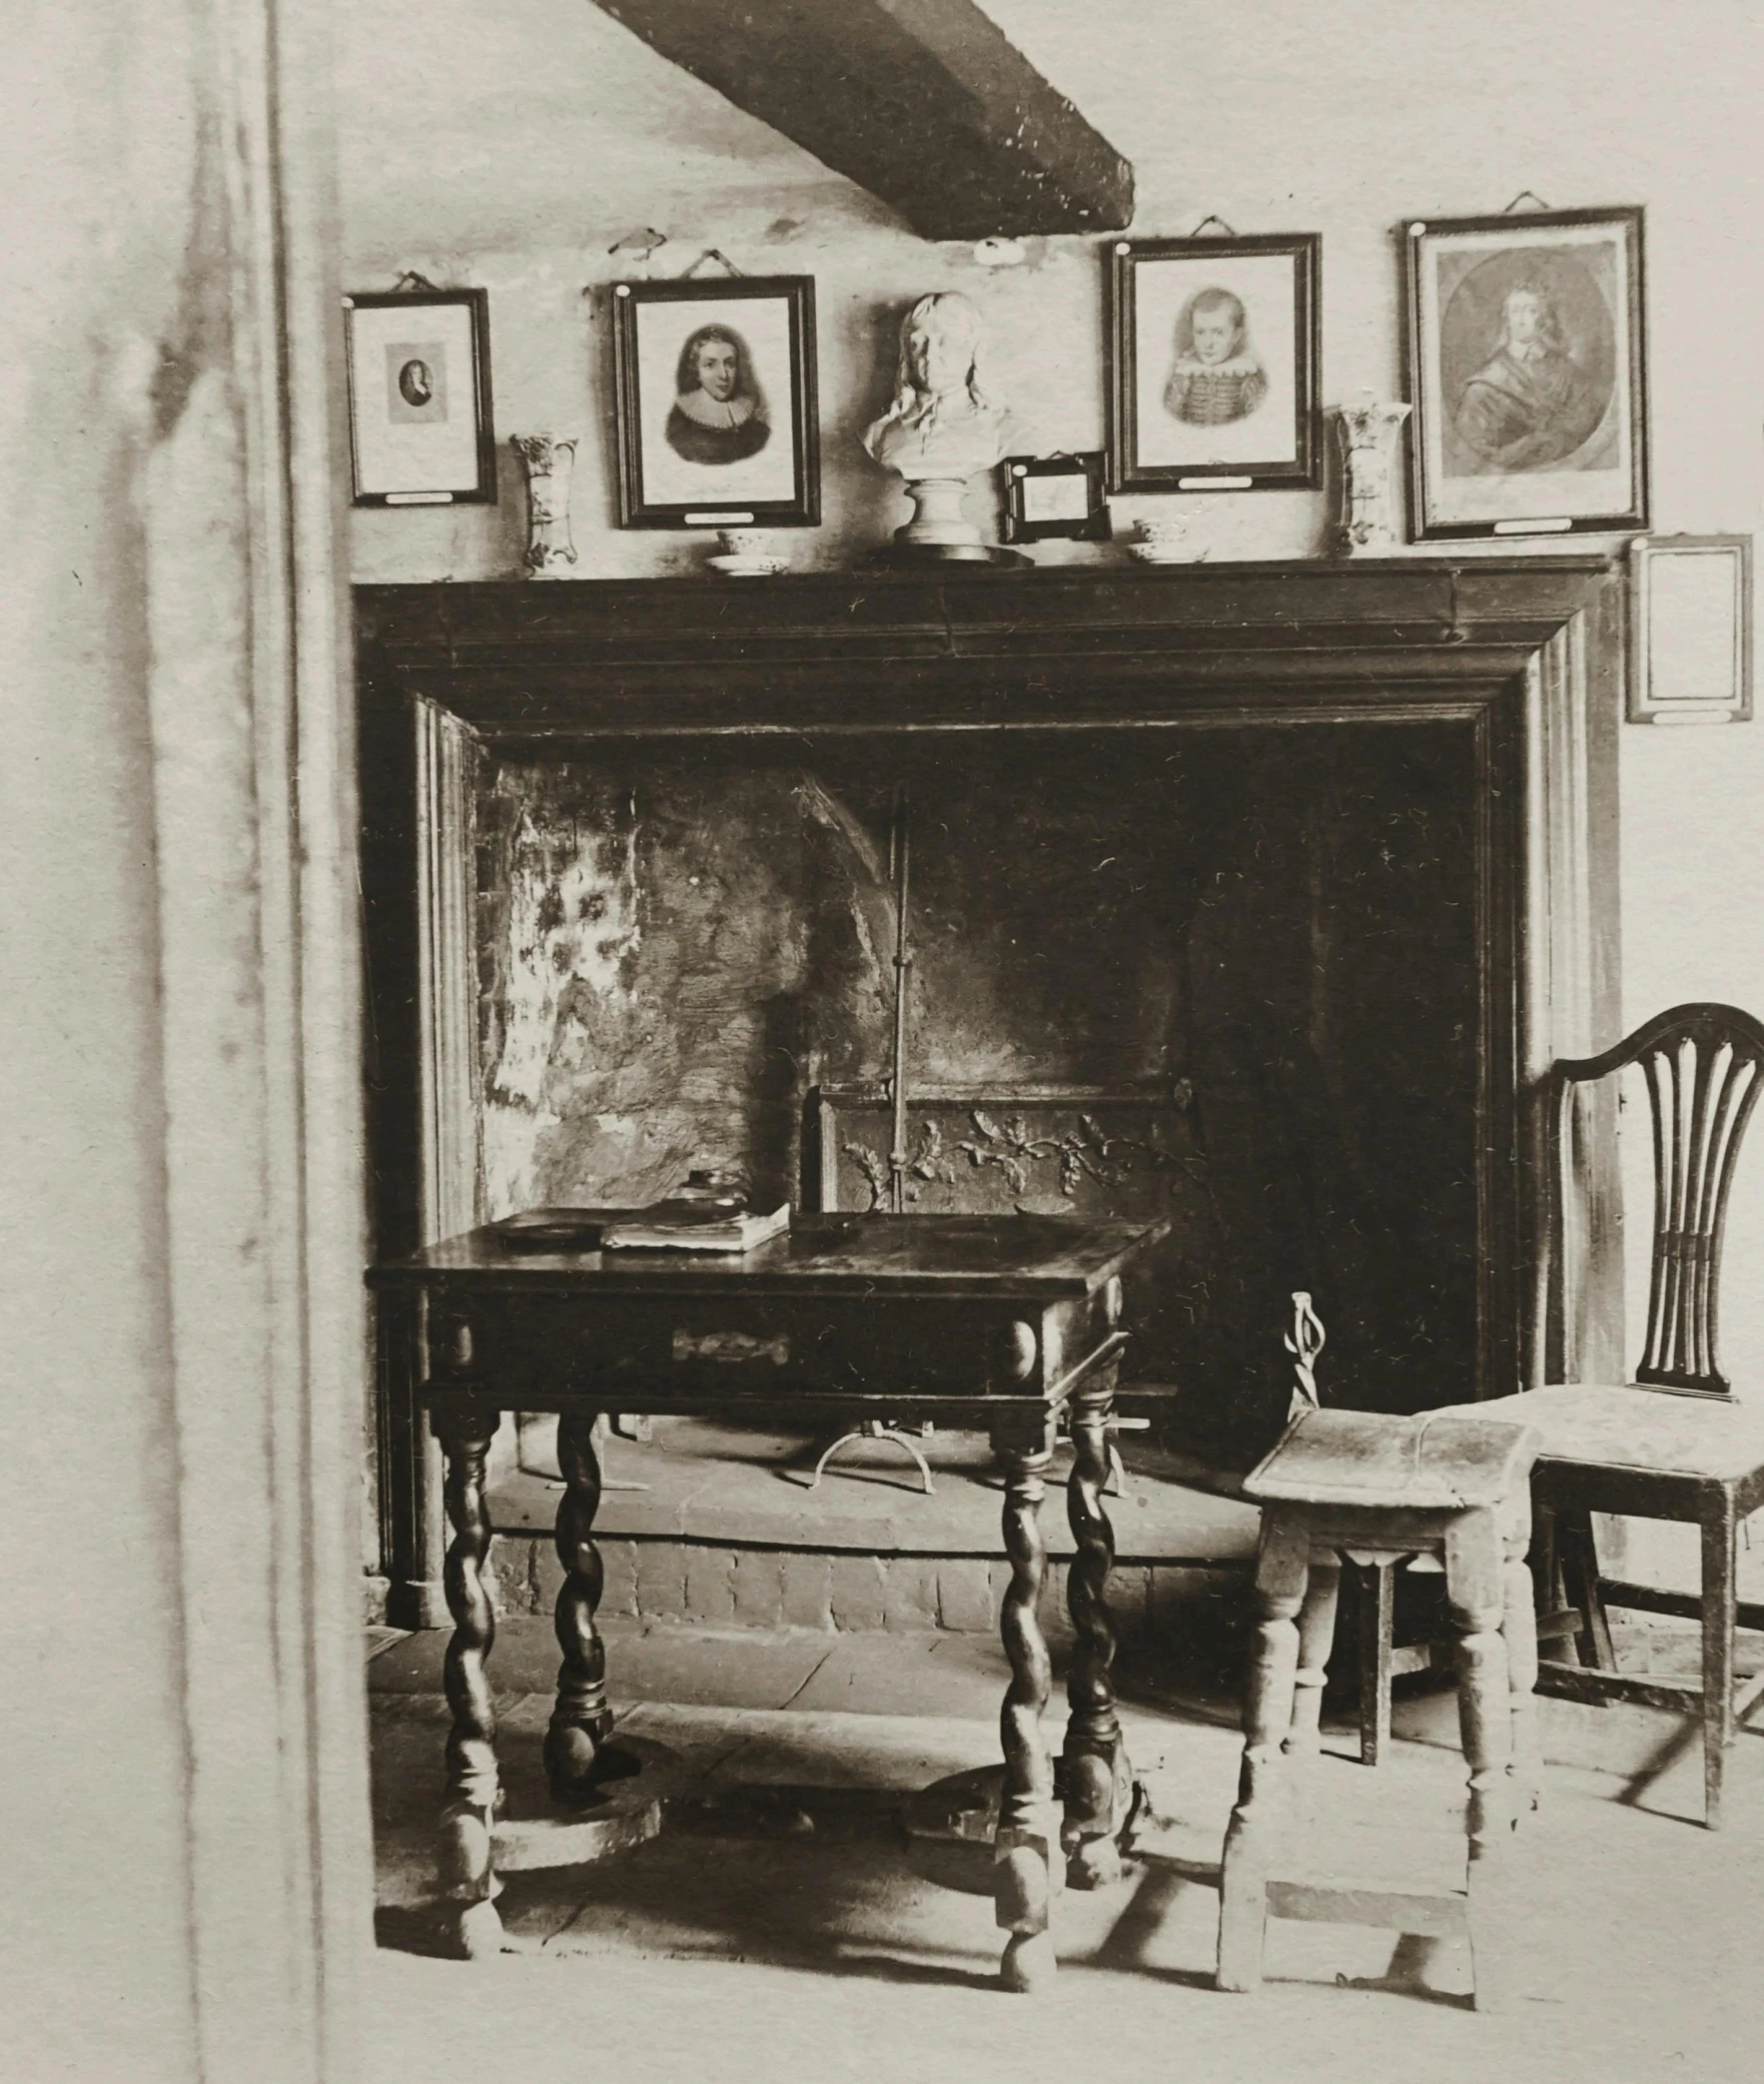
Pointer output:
x,y
1267,934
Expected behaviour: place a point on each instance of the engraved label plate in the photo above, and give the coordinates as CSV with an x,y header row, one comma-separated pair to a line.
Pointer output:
x,y
731,1346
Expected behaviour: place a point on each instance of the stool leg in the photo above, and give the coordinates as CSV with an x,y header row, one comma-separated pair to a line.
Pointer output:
x,y
1281,1578
1519,1625
1027,1833
1317,1637
1376,1583
473,1793
1720,1614
1475,1589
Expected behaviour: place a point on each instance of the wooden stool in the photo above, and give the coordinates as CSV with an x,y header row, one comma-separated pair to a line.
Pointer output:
x,y
1369,1489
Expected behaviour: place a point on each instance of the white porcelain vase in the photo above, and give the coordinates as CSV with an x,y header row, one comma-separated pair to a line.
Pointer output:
x,y
1372,520
548,463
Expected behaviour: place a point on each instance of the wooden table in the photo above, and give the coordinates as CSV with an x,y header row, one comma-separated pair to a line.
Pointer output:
x,y
1004,1324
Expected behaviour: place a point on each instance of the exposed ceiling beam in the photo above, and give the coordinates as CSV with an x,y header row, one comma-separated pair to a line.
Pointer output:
x,y
922,102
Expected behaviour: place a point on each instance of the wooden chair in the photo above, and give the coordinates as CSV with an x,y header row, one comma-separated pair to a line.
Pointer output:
x,y
1672,1443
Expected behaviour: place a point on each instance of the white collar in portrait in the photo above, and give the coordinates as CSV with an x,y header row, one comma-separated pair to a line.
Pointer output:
x,y
700,407
1233,365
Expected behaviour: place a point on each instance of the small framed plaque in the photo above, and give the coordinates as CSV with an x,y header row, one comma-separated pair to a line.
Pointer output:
x,y
1690,618
1054,495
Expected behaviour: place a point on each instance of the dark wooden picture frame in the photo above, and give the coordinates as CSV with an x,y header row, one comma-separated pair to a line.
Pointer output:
x,y
689,460
1527,354
1032,518
1214,347
421,432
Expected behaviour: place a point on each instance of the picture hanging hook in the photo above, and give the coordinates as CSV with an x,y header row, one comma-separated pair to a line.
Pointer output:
x,y
1526,194
1225,230
710,253
410,280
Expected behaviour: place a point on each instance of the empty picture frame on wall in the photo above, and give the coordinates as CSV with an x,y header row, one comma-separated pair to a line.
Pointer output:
x,y
1690,627
1527,372
1213,355
717,420
419,398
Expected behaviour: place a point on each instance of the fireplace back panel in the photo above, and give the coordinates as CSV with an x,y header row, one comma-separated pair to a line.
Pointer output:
x,y
681,939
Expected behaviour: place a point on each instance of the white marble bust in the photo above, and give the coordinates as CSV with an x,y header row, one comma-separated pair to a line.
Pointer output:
x,y
941,424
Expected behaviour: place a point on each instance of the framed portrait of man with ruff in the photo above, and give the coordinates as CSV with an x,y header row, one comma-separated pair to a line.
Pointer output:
x,y
1527,372
715,401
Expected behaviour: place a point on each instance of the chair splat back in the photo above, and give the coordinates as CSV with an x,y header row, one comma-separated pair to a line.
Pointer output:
x,y
1703,1066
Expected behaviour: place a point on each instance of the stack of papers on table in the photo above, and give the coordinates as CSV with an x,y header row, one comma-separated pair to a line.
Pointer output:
x,y
685,1225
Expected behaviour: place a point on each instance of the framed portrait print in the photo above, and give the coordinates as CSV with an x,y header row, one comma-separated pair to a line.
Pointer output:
x,y
419,398
1051,495
1212,353
1690,627
1527,372
715,401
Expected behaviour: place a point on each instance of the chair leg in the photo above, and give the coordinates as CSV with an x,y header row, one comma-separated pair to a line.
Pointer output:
x,y
1577,1554
1720,1614
1376,1585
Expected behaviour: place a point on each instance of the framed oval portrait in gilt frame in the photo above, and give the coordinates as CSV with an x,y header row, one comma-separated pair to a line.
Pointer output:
x,y
1528,370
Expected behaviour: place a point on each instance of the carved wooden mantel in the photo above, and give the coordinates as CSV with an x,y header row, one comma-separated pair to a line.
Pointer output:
x,y
1526,650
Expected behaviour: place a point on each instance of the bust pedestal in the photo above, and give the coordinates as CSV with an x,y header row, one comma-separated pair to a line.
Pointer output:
x,y
940,531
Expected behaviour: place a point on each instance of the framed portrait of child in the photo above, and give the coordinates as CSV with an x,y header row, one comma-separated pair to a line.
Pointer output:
x,y
715,401
1213,364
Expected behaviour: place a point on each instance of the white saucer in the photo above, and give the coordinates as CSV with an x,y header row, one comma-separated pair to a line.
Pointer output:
x,y
746,567
1155,554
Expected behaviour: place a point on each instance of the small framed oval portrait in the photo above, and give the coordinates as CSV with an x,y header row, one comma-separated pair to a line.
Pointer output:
x,y
717,419
419,398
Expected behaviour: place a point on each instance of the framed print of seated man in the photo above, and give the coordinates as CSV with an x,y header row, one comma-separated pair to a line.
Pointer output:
x,y
1217,375
718,414
1530,404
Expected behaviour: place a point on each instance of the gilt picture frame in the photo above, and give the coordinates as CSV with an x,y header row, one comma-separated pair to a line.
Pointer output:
x,y
421,432
1528,370
717,421
1214,347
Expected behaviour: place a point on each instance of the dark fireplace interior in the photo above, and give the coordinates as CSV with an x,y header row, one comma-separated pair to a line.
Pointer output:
x,y
681,938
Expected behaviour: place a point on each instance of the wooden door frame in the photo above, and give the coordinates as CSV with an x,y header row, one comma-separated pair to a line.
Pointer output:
x,y
251,739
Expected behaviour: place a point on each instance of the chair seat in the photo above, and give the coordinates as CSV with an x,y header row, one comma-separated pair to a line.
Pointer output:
x,y
1624,1426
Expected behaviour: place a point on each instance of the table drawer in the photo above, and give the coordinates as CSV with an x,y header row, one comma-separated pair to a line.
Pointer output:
x,y
748,1345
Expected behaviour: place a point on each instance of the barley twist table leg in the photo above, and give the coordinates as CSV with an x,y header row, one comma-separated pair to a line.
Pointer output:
x,y
581,1721
1098,1779
1026,1830
472,1793
1281,1578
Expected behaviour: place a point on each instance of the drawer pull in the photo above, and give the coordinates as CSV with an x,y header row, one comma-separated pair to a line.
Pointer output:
x,y
731,1346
